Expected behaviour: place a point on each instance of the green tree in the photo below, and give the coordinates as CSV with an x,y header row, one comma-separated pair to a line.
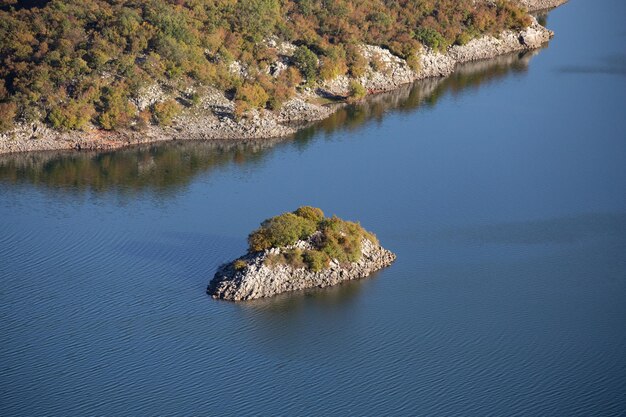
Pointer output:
x,y
306,61
256,18
74,115
116,109
431,38
253,94
357,91
8,112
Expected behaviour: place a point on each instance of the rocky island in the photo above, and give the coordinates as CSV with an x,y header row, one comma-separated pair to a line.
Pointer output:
x,y
299,250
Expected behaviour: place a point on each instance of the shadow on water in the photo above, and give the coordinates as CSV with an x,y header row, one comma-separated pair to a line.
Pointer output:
x,y
164,168
336,296
158,167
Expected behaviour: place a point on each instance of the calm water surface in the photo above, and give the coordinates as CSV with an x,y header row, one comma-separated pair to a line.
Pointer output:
x,y
502,190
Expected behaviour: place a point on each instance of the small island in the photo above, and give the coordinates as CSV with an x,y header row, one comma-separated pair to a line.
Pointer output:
x,y
299,250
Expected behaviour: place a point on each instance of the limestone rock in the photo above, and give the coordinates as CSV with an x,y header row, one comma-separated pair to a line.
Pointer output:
x,y
489,46
535,5
299,110
259,280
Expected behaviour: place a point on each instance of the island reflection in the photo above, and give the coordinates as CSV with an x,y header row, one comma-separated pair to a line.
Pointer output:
x,y
165,167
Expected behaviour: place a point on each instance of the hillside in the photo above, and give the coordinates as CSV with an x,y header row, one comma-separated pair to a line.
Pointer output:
x,y
110,65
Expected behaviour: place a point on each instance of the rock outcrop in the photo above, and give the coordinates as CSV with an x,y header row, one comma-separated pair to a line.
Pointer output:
x,y
396,71
259,279
485,47
535,5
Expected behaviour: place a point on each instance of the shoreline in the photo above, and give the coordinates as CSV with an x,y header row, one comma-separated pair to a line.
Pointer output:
x,y
212,120
540,5
90,169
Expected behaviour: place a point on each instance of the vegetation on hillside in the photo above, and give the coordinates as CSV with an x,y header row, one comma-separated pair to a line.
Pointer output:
x,y
74,63
331,238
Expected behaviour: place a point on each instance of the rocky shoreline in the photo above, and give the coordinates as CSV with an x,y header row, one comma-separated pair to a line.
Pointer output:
x,y
214,119
257,279
537,5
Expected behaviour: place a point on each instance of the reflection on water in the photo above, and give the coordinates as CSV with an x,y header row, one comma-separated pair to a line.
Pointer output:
x,y
336,296
424,93
166,167
158,167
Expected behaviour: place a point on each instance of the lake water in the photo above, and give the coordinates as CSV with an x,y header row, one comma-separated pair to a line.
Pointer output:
x,y
502,190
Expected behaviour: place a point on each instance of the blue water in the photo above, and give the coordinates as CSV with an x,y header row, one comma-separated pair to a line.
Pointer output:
x,y
502,191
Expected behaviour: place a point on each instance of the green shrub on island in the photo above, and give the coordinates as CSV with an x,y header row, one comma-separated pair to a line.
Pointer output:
x,y
240,264
280,231
316,260
295,258
341,240
336,239
310,213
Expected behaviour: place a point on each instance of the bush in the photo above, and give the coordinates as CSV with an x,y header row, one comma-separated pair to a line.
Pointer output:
x,y
378,64
195,98
142,120
357,64
431,38
257,18
241,108
240,264
252,94
311,213
306,61
463,38
414,62
331,69
272,260
339,239
333,64
165,112
316,260
341,246
74,115
279,231
116,109
294,258
7,115
357,91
